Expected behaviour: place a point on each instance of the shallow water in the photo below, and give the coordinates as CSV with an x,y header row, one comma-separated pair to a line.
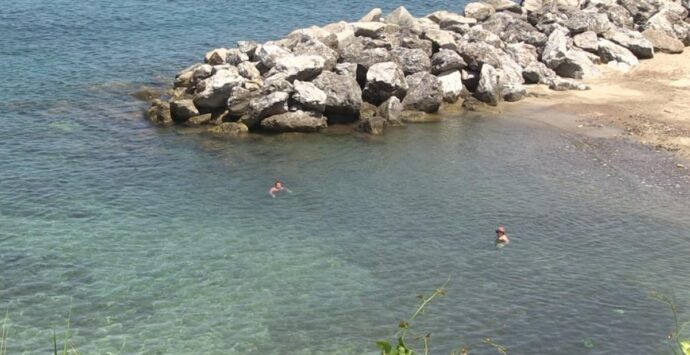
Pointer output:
x,y
161,241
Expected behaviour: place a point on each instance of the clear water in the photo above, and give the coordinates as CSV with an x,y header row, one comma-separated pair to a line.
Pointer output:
x,y
166,242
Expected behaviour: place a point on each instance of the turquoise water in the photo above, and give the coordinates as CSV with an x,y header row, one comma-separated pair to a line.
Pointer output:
x,y
165,241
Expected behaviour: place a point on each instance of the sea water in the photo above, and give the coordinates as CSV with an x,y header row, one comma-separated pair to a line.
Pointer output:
x,y
163,241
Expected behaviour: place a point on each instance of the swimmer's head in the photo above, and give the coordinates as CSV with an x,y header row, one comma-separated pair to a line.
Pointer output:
x,y
278,183
501,230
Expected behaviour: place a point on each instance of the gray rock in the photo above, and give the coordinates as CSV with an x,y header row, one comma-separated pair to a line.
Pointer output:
x,y
309,97
537,72
198,120
424,93
450,20
213,92
182,110
514,92
522,53
265,106
582,21
609,51
417,43
634,41
441,39
478,34
268,54
561,84
229,129
411,60
470,79
313,33
505,5
513,29
479,10
343,94
663,42
532,5
373,16
298,121
373,125
451,85
671,20
374,30
248,48
445,60
235,56
641,10
275,83
619,16
343,33
490,89
238,101
184,77
346,69
201,72
566,62
316,47
384,80
477,54
216,56
402,18
303,67
355,53
249,71
159,113
391,111
587,41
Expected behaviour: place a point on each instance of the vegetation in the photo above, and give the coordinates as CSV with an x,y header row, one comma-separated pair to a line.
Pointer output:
x,y
678,344
402,348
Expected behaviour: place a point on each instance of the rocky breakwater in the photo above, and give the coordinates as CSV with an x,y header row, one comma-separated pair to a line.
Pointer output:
x,y
383,71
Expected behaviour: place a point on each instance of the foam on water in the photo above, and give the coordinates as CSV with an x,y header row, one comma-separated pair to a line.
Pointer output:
x,y
167,242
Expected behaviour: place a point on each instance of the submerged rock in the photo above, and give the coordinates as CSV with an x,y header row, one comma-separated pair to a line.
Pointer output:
x,y
391,111
229,129
159,113
298,121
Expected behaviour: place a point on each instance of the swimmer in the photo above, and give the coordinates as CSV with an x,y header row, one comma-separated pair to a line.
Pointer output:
x,y
277,187
501,236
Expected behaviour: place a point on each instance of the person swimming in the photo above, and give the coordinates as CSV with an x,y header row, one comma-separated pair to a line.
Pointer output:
x,y
501,236
277,187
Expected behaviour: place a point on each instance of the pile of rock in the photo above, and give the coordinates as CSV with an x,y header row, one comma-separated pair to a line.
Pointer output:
x,y
382,71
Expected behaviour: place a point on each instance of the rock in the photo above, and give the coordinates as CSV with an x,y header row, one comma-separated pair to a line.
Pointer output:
x,y
670,20
343,95
470,79
343,32
229,129
479,53
303,67
373,125
313,33
238,101
373,16
561,84
374,30
265,106
235,56
441,39
479,10
216,56
298,121
512,29
268,54
451,85
505,5
355,53
384,80
402,18
583,21
424,93
198,120
609,51
471,103
489,89
213,92
249,71
537,72
416,43
391,111
445,60
522,53
480,35
567,63
634,41
514,92
309,97
450,20
587,41
411,60
182,110
248,48
316,47
159,113
346,69
277,82
532,5
619,16
185,77
663,42
641,10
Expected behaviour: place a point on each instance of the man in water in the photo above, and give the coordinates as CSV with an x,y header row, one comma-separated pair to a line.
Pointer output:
x,y
277,187
501,236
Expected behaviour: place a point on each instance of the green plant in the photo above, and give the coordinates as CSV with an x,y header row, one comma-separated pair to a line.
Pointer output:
x,y
678,345
4,333
68,347
401,348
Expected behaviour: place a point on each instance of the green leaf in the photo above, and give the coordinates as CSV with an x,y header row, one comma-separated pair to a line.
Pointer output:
x,y
384,346
685,346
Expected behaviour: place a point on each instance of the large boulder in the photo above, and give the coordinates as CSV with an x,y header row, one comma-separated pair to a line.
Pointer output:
x,y
453,22
343,95
441,39
505,5
610,52
566,62
216,57
313,33
316,47
298,121
671,20
537,73
641,10
159,113
182,110
411,60
445,60
238,101
662,42
479,10
514,92
303,67
451,85
490,89
249,48
249,71
213,92
582,21
343,32
414,42
477,54
424,93
309,97
619,16
384,80
374,125
634,41
269,53
522,53
587,41
402,18
480,35
364,58
391,111
372,16
375,30
265,106
236,56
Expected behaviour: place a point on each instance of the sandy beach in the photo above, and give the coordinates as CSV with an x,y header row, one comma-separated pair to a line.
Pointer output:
x,y
648,103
